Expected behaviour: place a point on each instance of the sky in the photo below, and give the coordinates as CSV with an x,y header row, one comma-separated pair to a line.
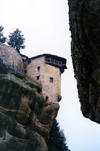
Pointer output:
x,y
45,26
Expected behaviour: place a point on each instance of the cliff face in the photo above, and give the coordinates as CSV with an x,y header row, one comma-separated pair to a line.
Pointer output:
x,y
25,117
11,57
85,49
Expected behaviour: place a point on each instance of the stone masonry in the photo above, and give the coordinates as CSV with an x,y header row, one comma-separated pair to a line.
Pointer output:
x,y
45,69
48,74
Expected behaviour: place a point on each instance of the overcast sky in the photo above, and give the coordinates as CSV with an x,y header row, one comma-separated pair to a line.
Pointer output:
x,y
44,24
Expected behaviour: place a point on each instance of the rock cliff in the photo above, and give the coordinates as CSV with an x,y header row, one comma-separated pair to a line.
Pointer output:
x,y
25,116
85,28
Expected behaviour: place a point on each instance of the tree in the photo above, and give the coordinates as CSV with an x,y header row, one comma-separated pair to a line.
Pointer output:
x,y
57,140
2,38
16,40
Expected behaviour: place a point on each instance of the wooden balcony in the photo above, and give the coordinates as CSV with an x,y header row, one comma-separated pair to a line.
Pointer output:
x,y
54,62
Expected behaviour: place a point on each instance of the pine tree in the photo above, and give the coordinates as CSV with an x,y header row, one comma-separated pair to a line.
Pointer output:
x,y
2,38
16,40
57,140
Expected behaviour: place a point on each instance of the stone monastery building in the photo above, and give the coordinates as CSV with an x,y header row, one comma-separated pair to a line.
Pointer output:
x,y
46,69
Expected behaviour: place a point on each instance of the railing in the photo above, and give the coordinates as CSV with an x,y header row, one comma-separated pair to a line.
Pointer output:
x,y
53,61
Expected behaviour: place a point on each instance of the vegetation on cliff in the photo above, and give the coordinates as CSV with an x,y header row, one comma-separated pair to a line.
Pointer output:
x,y
24,114
57,140
16,40
2,38
26,117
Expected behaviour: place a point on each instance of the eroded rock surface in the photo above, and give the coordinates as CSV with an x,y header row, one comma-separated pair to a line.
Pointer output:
x,y
25,117
84,17
11,56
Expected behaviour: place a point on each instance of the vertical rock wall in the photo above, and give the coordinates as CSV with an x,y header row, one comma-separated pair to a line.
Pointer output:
x,y
25,116
11,56
84,19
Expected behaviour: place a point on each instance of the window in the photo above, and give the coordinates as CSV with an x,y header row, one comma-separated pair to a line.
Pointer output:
x,y
38,77
29,61
51,79
47,98
38,68
25,71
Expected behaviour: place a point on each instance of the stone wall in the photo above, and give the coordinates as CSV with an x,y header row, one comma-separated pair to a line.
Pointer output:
x,y
32,68
38,70
11,56
51,89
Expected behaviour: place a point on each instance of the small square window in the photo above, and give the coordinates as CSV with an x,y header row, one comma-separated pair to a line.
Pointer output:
x,y
47,98
51,79
25,71
38,68
29,61
38,77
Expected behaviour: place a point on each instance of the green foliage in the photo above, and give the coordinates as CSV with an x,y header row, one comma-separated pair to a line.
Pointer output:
x,y
2,38
4,75
19,79
34,89
57,140
16,40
